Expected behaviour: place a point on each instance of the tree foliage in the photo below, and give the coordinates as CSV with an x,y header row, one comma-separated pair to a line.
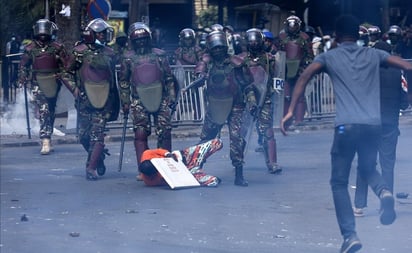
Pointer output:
x,y
208,17
17,18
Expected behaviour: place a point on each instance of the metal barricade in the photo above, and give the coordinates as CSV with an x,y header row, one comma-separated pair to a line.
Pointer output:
x,y
320,100
10,65
191,106
190,110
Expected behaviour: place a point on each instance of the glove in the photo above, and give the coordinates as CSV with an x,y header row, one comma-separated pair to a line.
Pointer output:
x,y
171,155
172,106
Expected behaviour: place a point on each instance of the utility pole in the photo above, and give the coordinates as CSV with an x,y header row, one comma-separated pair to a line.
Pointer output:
x,y
47,16
385,15
345,6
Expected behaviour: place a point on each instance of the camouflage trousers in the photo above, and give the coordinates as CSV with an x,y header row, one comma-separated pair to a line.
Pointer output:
x,y
46,111
92,123
142,119
264,123
211,130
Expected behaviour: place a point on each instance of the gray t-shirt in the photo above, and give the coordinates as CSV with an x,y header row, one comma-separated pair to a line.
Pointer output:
x,y
354,72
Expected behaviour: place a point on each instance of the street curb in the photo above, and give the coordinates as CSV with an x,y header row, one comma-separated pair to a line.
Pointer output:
x,y
113,135
21,141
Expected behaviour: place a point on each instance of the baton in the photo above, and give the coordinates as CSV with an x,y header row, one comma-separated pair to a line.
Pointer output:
x,y
26,104
125,118
196,83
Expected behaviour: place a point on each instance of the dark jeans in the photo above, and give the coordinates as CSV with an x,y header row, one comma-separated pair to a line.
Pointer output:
x,y
348,141
387,157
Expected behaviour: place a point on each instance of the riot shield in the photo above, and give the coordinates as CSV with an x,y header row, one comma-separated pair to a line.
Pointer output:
x,y
260,77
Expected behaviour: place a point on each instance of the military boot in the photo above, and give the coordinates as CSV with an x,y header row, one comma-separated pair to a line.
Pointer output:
x,y
45,146
271,157
140,144
101,168
239,180
95,155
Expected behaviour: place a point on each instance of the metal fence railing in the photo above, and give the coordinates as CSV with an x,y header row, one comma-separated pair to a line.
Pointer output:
x,y
320,100
191,106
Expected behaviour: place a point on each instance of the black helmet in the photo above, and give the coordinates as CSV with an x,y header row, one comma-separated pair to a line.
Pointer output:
x,y
43,26
216,39
395,30
254,38
292,24
139,30
202,40
217,44
310,30
216,27
363,31
97,25
374,30
187,37
43,29
228,29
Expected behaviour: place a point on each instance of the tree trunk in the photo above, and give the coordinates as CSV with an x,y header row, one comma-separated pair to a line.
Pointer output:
x,y
69,27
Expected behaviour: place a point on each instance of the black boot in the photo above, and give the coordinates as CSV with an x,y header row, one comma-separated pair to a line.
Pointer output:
x,y
239,180
101,168
94,156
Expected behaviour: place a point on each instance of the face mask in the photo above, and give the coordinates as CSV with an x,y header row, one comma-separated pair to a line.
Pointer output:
x,y
99,43
360,43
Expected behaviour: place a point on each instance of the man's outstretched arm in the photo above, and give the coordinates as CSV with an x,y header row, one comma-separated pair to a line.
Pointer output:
x,y
299,89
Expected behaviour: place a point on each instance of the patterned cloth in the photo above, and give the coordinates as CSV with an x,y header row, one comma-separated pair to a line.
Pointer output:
x,y
193,157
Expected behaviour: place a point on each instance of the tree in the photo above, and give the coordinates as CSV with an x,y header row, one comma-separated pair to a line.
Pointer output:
x,y
69,27
208,16
17,18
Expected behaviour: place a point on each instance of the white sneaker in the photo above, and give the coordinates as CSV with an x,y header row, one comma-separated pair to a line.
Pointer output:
x,y
359,212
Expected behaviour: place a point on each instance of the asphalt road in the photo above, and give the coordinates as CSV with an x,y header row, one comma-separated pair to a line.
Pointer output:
x,y
48,206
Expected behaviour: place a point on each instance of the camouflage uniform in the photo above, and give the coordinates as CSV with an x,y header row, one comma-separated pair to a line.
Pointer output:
x,y
120,46
42,62
228,80
299,55
147,87
261,64
188,53
97,100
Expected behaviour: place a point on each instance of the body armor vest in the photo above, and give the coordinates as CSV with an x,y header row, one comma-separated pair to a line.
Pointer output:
x,y
221,92
97,83
146,82
260,81
294,55
45,66
188,56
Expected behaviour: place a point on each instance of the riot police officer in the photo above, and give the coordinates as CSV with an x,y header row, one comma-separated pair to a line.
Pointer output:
x,y
120,45
374,35
228,83
299,54
95,91
262,66
363,39
395,39
188,53
43,61
148,89
269,42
